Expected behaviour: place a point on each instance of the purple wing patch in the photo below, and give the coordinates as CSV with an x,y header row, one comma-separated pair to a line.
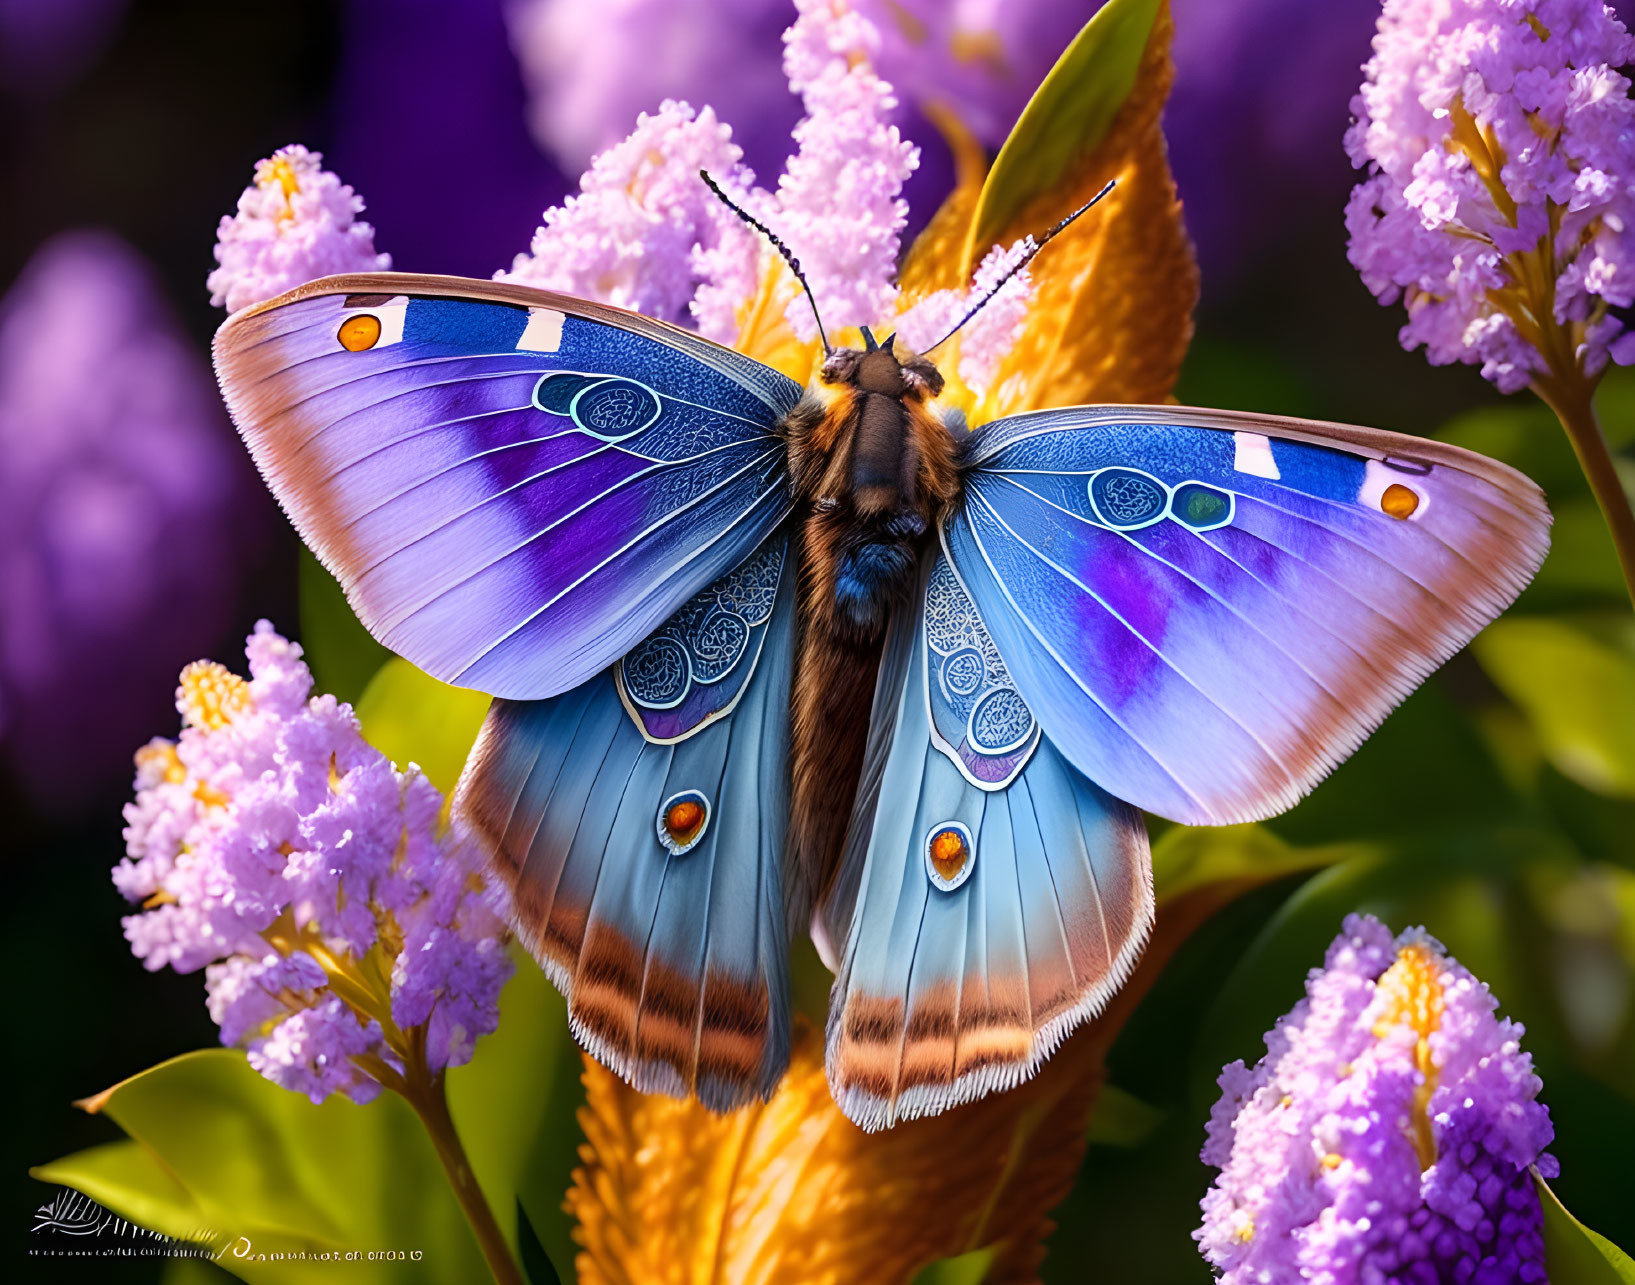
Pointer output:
x,y
693,670
513,487
978,718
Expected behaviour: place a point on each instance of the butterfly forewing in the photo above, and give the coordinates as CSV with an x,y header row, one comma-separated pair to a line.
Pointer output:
x,y
1209,610
514,487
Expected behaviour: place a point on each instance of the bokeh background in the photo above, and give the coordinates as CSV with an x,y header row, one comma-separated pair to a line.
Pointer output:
x,y
1495,807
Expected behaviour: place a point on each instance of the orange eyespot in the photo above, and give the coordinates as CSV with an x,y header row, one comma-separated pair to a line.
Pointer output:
x,y
948,855
682,820
1399,501
359,332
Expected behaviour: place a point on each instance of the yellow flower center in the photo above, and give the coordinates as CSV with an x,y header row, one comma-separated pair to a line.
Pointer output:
x,y
1412,988
280,172
211,695
163,756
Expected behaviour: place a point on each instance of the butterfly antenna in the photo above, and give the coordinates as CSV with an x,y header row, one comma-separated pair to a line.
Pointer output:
x,y
779,246
1016,267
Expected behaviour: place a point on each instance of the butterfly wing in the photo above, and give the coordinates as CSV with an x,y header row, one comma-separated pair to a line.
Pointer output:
x,y
514,487
639,822
991,897
1209,610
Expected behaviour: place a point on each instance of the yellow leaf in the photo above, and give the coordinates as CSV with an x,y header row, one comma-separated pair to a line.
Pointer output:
x,y
1112,315
934,261
793,1191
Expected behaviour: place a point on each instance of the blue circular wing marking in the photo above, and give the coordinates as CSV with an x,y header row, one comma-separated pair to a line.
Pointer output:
x,y
1201,507
1127,499
656,673
1000,722
614,409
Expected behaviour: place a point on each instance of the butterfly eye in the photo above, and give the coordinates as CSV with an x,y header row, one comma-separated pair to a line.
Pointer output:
x,y
949,855
1399,501
359,332
683,820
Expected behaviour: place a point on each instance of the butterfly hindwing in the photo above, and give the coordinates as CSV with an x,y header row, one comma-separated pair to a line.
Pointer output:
x,y
514,487
991,898
1208,610
639,822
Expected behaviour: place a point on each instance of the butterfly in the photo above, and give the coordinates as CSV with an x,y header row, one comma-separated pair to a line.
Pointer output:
x,y
770,660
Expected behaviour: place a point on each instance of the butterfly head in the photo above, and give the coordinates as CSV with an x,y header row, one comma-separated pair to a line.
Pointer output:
x,y
878,368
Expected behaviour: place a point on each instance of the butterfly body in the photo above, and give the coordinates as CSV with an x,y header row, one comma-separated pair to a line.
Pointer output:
x,y
768,659
873,468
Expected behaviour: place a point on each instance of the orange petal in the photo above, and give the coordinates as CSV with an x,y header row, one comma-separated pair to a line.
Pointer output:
x,y
792,1190
1112,315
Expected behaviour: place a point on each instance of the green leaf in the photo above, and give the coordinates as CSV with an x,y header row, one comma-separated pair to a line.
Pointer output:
x,y
339,649
1186,859
412,718
1575,1255
536,1263
270,1174
218,1152
516,1105
1067,117
1575,681
1120,1119
121,1176
962,1269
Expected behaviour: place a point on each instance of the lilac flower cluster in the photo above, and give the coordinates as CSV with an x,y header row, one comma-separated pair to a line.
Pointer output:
x,y
121,511
1499,202
989,335
297,221
1388,1133
591,71
340,921
645,233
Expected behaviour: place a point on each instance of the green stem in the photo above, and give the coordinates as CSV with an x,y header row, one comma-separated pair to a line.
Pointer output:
x,y
425,1094
1572,402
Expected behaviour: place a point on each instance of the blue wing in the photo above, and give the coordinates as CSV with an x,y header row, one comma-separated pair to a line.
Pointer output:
x,y
1209,610
639,822
991,898
514,487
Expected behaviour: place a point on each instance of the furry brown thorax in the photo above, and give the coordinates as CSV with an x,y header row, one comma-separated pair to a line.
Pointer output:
x,y
874,468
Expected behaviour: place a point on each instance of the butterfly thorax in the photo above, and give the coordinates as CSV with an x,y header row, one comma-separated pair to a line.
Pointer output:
x,y
875,465
873,468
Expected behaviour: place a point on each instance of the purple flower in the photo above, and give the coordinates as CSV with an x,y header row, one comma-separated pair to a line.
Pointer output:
x,y
1388,1133
646,232
643,231
295,223
592,70
121,511
839,202
983,342
1499,203
335,913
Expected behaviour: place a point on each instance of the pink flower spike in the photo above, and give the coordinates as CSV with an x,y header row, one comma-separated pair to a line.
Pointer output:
x,y
840,206
644,232
988,336
1482,125
295,223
